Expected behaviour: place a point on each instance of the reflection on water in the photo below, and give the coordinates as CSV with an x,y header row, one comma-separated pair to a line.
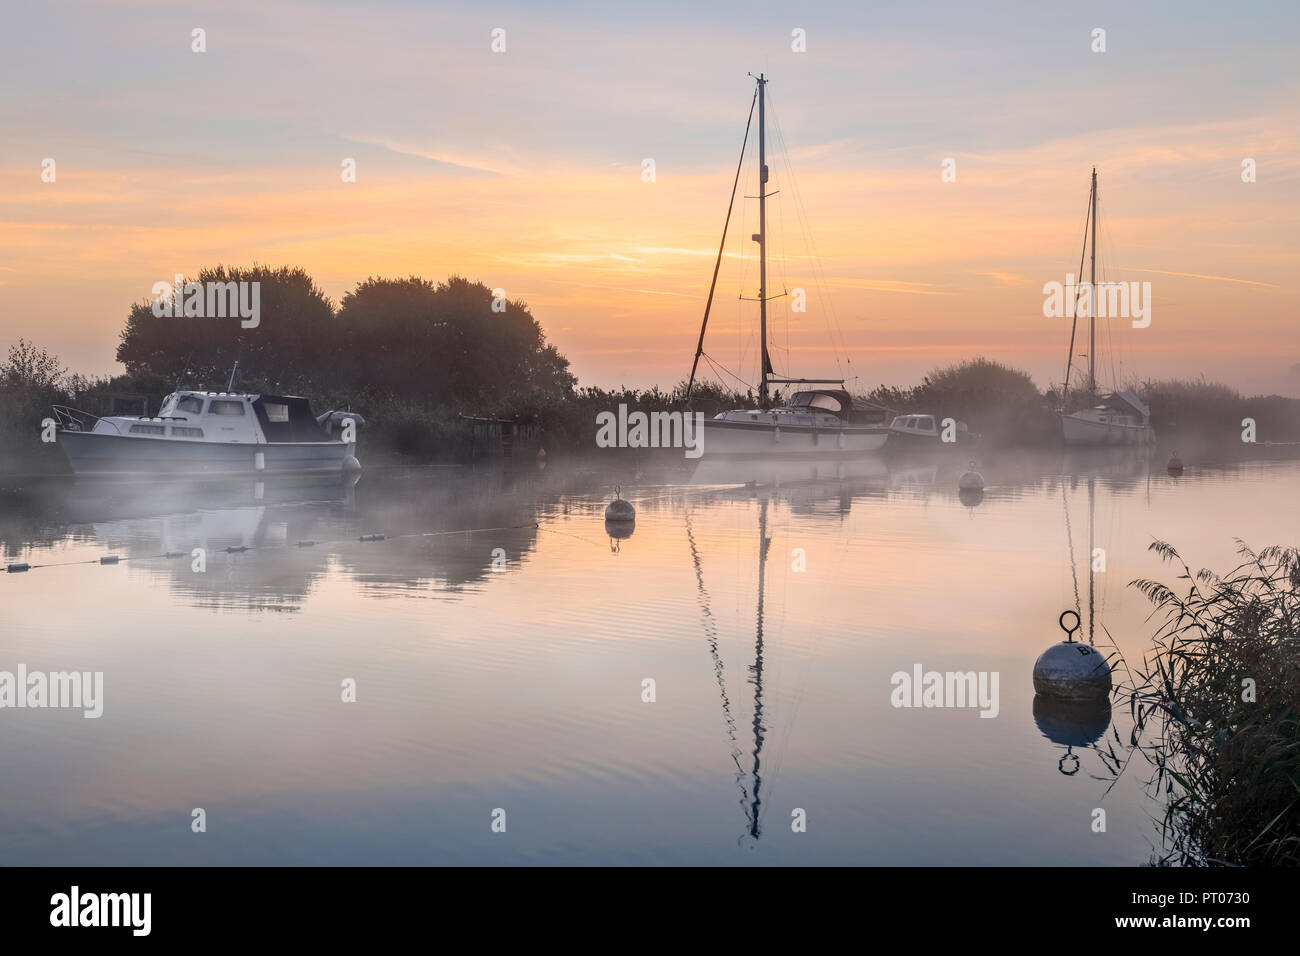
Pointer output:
x,y
501,635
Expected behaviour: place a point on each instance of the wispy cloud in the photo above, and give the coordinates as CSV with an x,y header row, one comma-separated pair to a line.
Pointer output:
x,y
1197,275
887,285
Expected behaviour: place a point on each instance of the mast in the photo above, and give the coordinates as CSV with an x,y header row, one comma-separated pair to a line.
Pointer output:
x,y
1092,306
762,240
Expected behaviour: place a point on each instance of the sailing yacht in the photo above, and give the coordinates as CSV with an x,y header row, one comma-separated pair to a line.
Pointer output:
x,y
821,419
1116,418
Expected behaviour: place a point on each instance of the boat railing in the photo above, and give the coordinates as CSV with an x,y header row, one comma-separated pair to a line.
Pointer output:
x,y
76,420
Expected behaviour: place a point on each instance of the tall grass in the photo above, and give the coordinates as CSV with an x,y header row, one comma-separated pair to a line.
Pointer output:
x,y
1220,695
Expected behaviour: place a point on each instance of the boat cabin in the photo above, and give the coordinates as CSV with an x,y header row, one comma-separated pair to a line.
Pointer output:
x,y
841,404
223,417
923,425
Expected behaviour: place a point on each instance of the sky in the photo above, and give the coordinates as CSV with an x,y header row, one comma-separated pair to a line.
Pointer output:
x,y
523,169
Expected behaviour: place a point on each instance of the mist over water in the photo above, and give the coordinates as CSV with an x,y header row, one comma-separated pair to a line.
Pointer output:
x,y
770,603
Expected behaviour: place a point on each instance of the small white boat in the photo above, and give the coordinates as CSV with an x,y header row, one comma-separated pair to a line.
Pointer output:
x,y
923,432
206,433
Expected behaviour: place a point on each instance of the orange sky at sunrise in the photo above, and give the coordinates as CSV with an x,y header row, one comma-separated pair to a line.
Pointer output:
x,y
911,272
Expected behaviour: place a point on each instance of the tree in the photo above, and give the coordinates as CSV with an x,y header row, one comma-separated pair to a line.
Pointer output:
x,y
447,346
32,370
294,340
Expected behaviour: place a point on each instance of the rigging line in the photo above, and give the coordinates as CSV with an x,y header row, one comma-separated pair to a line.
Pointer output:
x,y
1074,323
721,246
723,369
1110,244
711,637
833,325
832,319
1067,331
1069,537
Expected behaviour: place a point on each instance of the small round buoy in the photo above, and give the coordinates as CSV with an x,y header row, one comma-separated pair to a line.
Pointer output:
x,y
350,463
541,453
970,497
619,510
1175,465
1071,670
971,480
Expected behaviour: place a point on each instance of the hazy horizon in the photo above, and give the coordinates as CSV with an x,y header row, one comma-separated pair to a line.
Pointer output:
x,y
523,170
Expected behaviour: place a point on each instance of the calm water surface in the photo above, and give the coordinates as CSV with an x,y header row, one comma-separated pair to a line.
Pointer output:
x,y
520,686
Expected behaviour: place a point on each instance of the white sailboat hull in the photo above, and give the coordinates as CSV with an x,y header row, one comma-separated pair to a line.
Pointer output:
x,y
771,440
1084,428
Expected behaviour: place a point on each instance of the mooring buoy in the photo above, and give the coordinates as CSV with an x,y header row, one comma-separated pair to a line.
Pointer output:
x,y
971,480
351,463
619,510
1072,670
1175,466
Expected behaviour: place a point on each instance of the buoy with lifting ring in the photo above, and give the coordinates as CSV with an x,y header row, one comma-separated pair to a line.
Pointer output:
x,y
619,510
1175,466
971,480
1072,670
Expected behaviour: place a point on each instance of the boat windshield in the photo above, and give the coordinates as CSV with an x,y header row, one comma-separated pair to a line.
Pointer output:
x,y
820,400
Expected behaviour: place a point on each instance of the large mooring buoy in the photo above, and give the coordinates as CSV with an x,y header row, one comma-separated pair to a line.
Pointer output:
x,y
1072,670
619,510
1175,466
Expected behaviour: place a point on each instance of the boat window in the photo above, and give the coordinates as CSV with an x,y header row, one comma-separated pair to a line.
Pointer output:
x,y
926,422
191,404
185,432
911,421
276,411
218,407
148,430
828,402
800,399
899,422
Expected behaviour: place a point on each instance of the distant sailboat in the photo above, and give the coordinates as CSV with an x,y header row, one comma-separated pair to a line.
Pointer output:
x,y
1116,418
822,420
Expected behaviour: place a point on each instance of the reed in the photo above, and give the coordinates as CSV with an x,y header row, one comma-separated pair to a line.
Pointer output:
x,y
1220,698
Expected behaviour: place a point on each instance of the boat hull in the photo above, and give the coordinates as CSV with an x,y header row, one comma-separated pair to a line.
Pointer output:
x,y
761,439
902,441
1086,431
91,453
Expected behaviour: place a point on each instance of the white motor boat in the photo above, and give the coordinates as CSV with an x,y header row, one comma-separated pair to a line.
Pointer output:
x,y
208,433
